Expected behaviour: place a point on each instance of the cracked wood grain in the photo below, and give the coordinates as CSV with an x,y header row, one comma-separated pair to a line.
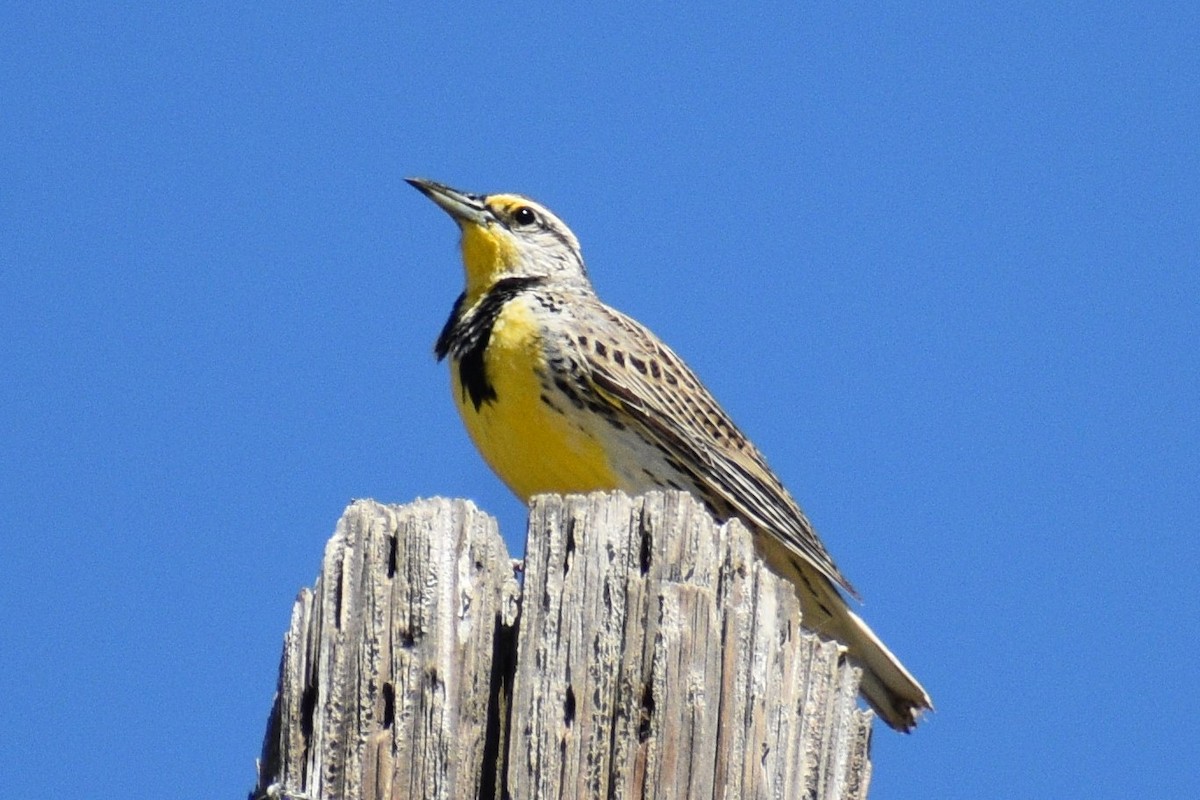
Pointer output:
x,y
648,654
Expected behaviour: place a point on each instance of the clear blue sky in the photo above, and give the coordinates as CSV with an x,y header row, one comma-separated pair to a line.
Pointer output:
x,y
941,263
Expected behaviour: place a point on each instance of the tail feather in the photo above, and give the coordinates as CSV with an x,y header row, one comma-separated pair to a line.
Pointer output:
x,y
890,689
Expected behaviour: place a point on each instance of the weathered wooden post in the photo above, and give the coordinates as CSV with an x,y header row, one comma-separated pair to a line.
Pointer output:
x,y
649,654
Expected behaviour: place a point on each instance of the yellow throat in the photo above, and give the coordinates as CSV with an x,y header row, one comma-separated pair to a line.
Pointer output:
x,y
487,254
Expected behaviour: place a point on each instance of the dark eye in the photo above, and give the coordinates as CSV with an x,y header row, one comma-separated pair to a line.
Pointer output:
x,y
524,216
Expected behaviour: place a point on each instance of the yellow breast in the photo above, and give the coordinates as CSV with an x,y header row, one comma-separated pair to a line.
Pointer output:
x,y
533,447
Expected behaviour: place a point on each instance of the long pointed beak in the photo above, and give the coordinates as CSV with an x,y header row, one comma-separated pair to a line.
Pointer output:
x,y
462,206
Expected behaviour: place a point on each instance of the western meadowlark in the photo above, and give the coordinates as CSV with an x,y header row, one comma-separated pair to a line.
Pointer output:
x,y
562,393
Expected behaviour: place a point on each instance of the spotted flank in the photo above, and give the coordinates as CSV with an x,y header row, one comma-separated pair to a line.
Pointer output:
x,y
562,394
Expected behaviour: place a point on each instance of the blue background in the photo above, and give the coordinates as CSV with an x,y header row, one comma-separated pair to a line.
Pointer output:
x,y
940,263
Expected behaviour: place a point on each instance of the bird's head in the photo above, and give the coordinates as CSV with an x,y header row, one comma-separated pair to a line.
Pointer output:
x,y
507,235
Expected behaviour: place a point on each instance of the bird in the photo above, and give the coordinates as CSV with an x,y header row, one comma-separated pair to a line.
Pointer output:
x,y
561,393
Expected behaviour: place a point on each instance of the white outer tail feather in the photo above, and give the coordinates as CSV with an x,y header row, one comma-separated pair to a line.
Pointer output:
x,y
890,689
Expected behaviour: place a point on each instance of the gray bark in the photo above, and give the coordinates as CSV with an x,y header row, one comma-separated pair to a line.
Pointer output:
x,y
653,656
